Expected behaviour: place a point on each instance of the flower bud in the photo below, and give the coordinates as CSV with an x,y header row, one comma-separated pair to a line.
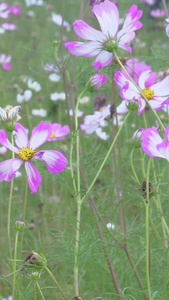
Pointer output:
x,y
96,82
133,105
137,138
35,276
20,226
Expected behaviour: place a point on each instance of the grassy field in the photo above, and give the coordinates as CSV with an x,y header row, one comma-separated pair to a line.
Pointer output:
x,y
113,263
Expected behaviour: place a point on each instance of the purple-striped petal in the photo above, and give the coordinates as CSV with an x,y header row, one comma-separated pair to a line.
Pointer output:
x,y
55,161
108,17
34,178
8,168
5,142
21,136
40,135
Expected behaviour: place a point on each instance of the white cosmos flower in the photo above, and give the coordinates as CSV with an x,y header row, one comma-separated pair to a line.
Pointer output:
x,y
25,96
57,19
101,134
54,77
84,100
39,112
110,226
3,150
79,113
34,85
34,2
57,96
10,113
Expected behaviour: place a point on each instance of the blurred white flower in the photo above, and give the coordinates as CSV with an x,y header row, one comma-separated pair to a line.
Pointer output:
x,y
101,134
51,68
166,24
30,13
9,298
110,226
79,113
10,113
54,77
3,150
39,112
57,96
34,85
18,174
34,2
119,119
24,96
57,19
54,199
84,100
4,11
1,30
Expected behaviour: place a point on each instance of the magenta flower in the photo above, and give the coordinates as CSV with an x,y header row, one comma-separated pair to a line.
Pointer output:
x,y
92,122
4,61
58,132
15,10
26,151
156,93
102,43
96,82
154,145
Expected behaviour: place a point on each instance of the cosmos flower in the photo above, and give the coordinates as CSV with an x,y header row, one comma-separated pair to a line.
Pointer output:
x,y
156,93
15,10
8,26
10,113
157,13
41,112
101,134
92,122
4,11
149,2
24,96
51,68
57,96
166,24
34,85
102,43
57,19
154,145
4,61
54,77
26,151
96,82
58,132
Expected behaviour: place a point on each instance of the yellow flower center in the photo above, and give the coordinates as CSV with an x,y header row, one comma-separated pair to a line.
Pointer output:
x,y
101,109
52,136
26,153
148,93
7,110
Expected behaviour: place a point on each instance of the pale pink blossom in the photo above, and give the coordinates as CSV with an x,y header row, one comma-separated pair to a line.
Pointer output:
x,y
4,10
4,61
26,152
58,132
8,26
157,13
149,2
102,43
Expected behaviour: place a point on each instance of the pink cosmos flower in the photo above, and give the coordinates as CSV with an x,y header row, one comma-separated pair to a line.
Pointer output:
x,y
154,145
26,151
157,13
4,61
96,82
4,12
102,43
58,132
135,67
156,93
15,10
92,122
8,26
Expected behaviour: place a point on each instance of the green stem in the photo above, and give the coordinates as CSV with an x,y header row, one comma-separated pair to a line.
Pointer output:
x,y
57,284
14,264
24,213
106,157
9,206
148,102
165,282
40,291
71,166
34,290
132,166
147,231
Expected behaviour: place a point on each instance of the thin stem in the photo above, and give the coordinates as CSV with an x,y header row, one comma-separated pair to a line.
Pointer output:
x,y
39,289
9,207
132,166
148,102
14,264
106,157
147,232
24,213
34,290
57,284
71,167
165,282
165,8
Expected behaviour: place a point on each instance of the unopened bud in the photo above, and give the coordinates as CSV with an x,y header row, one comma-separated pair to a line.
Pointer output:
x,y
20,226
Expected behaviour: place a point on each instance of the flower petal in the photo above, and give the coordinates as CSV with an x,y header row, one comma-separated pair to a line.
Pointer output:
x,y
54,160
108,17
122,108
163,149
150,140
58,131
5,142
143,78
34,178
21,136
87,32
8,168
40,134
103,59
88,49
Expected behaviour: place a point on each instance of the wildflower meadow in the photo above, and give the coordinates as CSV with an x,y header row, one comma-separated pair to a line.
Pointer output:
x,y
84,150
